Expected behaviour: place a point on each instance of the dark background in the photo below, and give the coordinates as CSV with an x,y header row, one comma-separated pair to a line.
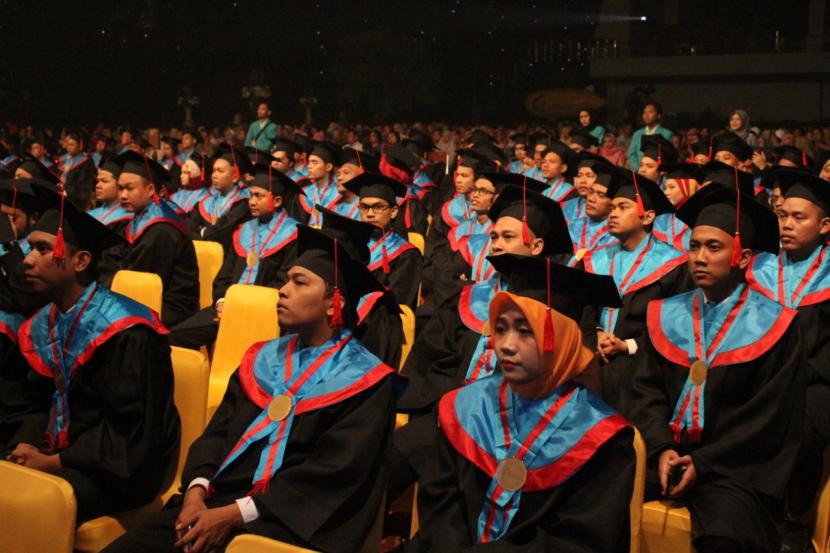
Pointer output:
x,y
459,61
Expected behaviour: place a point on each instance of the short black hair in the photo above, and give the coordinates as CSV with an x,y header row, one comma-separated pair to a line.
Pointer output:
x,y
657,107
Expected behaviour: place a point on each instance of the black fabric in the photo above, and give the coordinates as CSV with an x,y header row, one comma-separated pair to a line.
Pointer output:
x,y
404,278
199,228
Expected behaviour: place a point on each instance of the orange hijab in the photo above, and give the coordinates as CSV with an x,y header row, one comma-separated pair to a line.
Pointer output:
x,y
568,358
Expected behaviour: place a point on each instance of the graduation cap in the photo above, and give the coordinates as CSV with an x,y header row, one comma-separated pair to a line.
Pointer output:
x,y
726,175
682,171
565,153
375,185
171,140
258,156
659,149
36,169
793,155
796,183
644,192
108,163
560,287
606,172
584,139
329,152
365,161
479,137
753,225
288,146
475,160
731,142
274,181
192,132
518,138
238,159
303,142
75,134
538,213
418,142
540,138
702,148
352,233
141,165
71,225
18,193
492,152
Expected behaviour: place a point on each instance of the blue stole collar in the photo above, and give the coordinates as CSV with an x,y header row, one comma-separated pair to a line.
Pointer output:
x,y
262,240
298,172
67,163
187,200
110,214
326,196
475,249
456,210
474,303
305,379
154,213
385,249
553,437
215,206
420,186
738,330
671,230
469,227
10,324
574,208
791,283
348,209
57,344
558,190
182,157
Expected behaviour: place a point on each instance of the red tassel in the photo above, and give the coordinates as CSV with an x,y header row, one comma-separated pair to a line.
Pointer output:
x,y
736,251
549,343
260,487
63,439
804,159
641,210
337,309
489,344
156,199
525,232
270,202
59,251
693,435
385,262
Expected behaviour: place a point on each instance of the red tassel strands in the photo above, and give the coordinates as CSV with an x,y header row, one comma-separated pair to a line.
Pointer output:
x,y
336,298
59,251
641,210
236,174
711,147
270,192
385,261
549,340
737,247
525,228
203,172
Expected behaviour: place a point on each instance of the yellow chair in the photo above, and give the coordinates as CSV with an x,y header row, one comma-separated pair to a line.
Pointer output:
x,y
248,316
209,257
417,240
666,527
94,535
37,511
143,287
821,525
192,373
408,320
250,543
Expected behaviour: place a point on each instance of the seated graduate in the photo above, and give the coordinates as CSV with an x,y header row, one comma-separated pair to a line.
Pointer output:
x,y
682,180
403,165
643,269
76,168
527,459
394,262
100,374
718,393
352,163
109,210
558,165
226,207
295,449
428,172
263,249
319,187
194,183
799,278
590,229
655,150
158,237
21,207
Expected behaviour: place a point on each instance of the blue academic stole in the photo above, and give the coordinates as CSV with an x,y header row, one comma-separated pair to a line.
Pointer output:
x,y
254,241
456,211
326,196
187,200
421,185
154,213
467,228
109,215
574,209
791,283
348,209
558,190
670,229
385,249
475,249
215,205
474,311
67,163
10,324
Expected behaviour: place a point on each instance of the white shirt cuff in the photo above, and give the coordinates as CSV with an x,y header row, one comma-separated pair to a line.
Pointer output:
x,y
204,482
202,232
632,346
248,509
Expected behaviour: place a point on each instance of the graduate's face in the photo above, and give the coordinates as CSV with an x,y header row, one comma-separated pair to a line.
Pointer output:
x,y
710,256
303,300
825,172
584,118
20,220
515,346
648,168
802,225
106,187
377,211
166,150
188,141
552,166
345,173
674,192
482,195
520,151
701,159
585,178
134,191
506,237
46,275
464,179
650,115
222,176
258,201
36,150
282,161
538,150
598,204
318,169
728,158
623,219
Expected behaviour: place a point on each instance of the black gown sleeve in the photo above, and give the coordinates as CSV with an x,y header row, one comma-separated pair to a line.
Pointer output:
x,y
224,228
405,277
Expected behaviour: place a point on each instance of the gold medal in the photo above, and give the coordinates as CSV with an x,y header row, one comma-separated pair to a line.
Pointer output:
x,y
214,220
580,253
698,372
60,382
511,474
280,407
252,259
485,330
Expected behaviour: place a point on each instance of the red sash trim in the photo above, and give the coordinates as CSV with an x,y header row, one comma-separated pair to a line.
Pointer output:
x,y
242,252
467,316
8,331
391,256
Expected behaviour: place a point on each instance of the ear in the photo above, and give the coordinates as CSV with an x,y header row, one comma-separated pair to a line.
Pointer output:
x,y
81,261
536,246
824,226
649,216
746,257
329,167
564,168
394,211
277,202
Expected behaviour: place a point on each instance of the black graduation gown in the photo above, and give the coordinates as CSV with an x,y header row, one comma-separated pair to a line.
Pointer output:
x,y
325,496
754,419
200,229
404,278
24,399
124,428
417,218
567,518
16,295
80,184
113,257
164,250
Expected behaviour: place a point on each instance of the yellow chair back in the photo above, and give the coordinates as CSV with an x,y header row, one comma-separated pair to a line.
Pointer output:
x,y
417,240
37,511
638,492
248,316
251,543
821,526
408,320
666,527
143,287
209,257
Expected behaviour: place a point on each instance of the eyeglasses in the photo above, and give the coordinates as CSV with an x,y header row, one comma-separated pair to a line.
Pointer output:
x,y
377,209
484,191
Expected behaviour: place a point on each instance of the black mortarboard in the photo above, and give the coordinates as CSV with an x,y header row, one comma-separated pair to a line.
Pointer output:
x,y
518,138
540,138
602,168
354,234
584,139
502,179
475,160
288,146
37,169
137,164
329,152
565,289
702,148
238,159
795,183
633,186
367,162
492,152
565,153
543,215
682,171
171,140
418,142
78,228
724,174
659,149
258,156
400,157
273,180
793,155
374,185
731,142
108,163
18,193
303,142
479,137
724,208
